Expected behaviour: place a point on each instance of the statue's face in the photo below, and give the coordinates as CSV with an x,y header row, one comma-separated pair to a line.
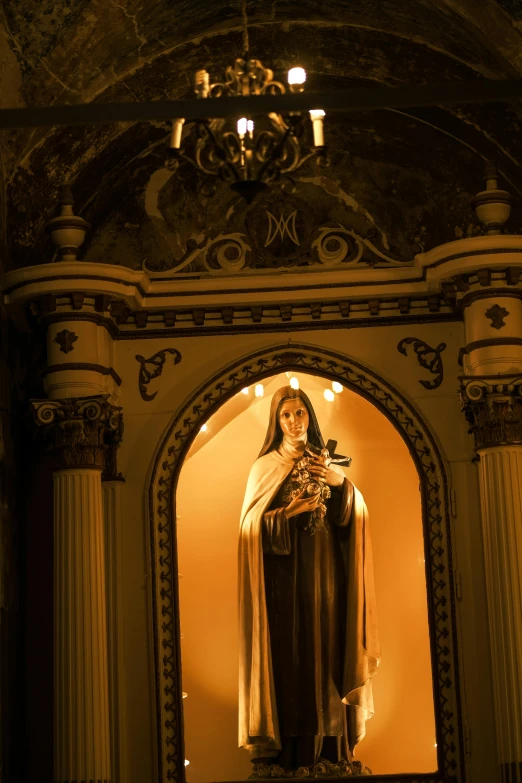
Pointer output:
x,y
293,418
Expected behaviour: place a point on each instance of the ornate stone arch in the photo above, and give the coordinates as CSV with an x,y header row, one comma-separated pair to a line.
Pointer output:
x,y
437,541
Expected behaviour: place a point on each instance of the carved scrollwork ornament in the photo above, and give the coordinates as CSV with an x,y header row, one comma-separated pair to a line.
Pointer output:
x,y
152,368
429,358
493,411
79,430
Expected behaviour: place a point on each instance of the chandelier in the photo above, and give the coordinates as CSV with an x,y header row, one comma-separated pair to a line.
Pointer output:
x,y
252,154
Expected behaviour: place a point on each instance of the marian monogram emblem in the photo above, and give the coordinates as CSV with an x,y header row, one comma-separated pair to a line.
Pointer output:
x,y
282,227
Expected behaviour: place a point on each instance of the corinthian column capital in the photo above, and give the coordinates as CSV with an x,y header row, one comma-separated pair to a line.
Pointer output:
x,y
80,429
493,408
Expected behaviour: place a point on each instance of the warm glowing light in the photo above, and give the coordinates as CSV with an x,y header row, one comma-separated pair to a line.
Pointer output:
x,y
316,114
329,395
204,428
242,126
245,390
187,762
288,374
337,387
294,382
259,390
296,76
185,695
250,126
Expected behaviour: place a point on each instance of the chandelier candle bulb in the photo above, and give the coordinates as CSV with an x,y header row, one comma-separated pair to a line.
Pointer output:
x,y
316,115
242,125
202,84
175,137
296,79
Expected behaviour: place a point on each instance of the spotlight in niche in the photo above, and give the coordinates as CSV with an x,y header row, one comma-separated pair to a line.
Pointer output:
x,y
259,390
204,428
245,390
337,387
294,382
329,395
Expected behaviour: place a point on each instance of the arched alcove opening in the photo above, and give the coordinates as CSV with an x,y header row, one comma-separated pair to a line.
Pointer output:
x,y
209,496
185,428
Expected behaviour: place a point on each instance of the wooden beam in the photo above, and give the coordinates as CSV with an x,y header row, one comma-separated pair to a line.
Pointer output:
x,y
355,99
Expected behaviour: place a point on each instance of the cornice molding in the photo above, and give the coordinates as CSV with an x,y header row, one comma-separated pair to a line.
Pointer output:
x,y
123,323
463,256
68,290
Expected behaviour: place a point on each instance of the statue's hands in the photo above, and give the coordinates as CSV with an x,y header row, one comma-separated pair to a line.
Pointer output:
x,y
301,504
323,472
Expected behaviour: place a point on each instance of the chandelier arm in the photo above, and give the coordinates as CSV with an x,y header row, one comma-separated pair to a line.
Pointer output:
x,y
315,153
209,139
295,158
178,156
273,157
222,153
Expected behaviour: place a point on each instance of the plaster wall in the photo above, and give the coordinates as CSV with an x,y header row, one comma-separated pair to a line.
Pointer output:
x,y
145,425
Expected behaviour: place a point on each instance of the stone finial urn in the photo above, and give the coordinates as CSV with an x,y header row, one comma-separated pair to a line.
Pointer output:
x,y
492,206
67,230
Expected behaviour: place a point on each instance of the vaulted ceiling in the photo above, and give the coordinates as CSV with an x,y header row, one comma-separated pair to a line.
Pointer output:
x,y
413,171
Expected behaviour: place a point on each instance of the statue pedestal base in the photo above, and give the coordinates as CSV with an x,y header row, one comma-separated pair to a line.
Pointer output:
x,y
323,769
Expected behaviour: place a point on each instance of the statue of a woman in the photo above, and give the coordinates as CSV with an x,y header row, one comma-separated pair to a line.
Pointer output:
x,y
308,637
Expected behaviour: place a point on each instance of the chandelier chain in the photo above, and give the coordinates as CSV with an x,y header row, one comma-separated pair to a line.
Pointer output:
x,y
244,16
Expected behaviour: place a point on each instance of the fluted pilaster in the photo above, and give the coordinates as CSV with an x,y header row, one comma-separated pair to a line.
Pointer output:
x,y
501,501
82,432
493,408
82,742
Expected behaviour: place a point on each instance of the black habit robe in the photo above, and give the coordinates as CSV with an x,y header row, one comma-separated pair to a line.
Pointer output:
x,y
308,637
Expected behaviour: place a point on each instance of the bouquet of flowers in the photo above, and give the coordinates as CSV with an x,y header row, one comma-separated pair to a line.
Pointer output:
x,y
301,479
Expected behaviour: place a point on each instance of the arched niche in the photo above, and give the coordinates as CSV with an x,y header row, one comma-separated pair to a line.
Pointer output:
x,y
429,463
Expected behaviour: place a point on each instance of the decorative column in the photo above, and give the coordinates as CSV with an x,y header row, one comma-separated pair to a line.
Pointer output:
x,y
494,411
481,276
78,430
491,392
